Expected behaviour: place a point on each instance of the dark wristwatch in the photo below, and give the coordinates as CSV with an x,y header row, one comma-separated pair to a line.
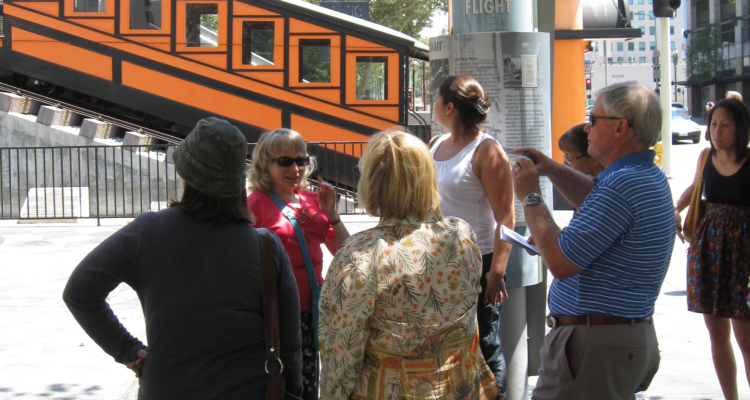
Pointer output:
x,y
532,199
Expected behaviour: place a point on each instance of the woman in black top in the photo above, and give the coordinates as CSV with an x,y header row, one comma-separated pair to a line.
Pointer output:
x,y
197,271
719,254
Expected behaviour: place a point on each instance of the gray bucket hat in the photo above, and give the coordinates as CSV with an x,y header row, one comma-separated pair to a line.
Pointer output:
x,y
212,158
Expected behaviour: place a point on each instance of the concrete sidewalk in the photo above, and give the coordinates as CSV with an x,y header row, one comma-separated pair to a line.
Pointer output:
x,y
44,353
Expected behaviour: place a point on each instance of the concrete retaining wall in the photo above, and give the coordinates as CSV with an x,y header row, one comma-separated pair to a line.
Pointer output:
x,y
120,181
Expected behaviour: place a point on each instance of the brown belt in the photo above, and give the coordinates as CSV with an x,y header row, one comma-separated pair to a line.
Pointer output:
x,y
560,320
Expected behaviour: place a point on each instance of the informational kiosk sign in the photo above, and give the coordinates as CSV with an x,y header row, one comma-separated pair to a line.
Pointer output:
x,y
513,68
470,16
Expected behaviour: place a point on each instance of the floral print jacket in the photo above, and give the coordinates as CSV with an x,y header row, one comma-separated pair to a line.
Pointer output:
x,y
398,314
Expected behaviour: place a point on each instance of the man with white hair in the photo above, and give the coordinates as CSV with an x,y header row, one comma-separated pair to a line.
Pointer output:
x,y
610,262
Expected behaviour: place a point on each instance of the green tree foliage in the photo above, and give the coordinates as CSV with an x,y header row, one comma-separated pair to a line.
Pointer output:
x,y
316,62
210,21
704,55
406,16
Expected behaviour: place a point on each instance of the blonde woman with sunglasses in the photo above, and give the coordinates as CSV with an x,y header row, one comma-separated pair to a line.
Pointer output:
x,y
279,201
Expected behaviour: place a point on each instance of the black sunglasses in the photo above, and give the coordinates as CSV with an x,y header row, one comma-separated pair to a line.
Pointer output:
x,y
288,161
593,118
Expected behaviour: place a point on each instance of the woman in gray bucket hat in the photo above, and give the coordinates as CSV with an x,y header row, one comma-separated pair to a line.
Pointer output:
x,y
196,268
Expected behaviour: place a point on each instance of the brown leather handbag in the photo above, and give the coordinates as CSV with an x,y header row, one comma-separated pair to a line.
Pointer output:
x,y
697,205
275,385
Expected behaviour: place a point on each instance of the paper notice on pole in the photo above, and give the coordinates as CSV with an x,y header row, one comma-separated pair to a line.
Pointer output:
x,y
529,72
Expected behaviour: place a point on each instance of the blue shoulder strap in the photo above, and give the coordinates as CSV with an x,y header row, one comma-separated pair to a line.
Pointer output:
x,y
289,214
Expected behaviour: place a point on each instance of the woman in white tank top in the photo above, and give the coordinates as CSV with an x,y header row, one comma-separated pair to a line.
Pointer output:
x,y
475,184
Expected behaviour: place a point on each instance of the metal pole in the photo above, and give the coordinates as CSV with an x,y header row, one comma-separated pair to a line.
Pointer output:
x,y
413,88
675,58
665,94
606,65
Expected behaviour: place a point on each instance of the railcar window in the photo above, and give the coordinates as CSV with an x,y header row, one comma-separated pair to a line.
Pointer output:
x,y
315,60
88,6
2,32
202,25
145,14
372,78
257,42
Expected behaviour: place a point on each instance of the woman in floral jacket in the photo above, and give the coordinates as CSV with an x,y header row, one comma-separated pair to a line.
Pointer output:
x,y
398,306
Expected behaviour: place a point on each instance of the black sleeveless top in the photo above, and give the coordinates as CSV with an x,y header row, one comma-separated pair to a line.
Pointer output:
x,y
731,190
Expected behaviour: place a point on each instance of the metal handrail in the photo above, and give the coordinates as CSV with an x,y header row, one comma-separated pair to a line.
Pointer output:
x,y
90,114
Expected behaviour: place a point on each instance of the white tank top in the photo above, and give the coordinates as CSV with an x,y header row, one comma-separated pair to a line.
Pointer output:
x,y
462,194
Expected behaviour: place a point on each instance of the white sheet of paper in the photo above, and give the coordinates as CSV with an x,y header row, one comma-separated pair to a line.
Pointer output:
x,y
510,236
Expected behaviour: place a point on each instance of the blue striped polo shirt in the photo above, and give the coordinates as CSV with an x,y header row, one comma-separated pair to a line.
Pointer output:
x,y
622,239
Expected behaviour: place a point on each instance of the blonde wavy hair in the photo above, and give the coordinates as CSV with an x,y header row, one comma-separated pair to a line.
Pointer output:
x,y
270,144
399,178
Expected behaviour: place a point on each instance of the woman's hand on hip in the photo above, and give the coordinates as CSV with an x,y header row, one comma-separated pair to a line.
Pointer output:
x,y
137,365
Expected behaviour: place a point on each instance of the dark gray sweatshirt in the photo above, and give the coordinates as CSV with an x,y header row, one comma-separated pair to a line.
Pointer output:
x,y
201,292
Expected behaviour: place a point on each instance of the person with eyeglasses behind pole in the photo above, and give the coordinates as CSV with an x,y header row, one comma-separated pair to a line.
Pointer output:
x,y
609,263
575,147
303,220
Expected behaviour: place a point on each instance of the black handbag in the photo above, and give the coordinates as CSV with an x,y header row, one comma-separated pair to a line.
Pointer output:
x,y
275,385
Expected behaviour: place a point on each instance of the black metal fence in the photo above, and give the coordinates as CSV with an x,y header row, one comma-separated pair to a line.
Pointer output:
x,y
423,132
85,181
125,181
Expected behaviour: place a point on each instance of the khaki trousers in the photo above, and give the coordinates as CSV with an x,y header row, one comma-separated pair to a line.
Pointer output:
x,y
608,362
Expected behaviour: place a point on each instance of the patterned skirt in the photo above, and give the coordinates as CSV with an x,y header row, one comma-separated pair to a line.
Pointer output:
x,y
719,263
310,358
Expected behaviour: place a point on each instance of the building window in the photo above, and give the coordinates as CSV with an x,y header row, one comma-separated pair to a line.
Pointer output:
x,y
145,14
652,30
630,2
640,1
372,78
609,60
642,46
641,59
727,32
315,60
651,15
671,30
701,13
620,59
643,29
631,15
671,45
631,46
619,46
88,6
596,47
202,25
653,45
258,42
650,1
640,15
728,9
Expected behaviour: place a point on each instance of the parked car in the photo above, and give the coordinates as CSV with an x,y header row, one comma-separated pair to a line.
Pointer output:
x,y
683,128
680,106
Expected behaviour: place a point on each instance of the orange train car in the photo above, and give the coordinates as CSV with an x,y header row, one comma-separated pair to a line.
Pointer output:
x,y
261,64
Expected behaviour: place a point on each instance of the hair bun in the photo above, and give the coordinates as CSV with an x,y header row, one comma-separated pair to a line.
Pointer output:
x,y
482,106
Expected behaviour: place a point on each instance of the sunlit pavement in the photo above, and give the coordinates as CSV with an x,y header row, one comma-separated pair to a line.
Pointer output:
x,y
45,354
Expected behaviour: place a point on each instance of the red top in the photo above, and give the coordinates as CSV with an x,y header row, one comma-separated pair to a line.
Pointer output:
x,y
315,228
